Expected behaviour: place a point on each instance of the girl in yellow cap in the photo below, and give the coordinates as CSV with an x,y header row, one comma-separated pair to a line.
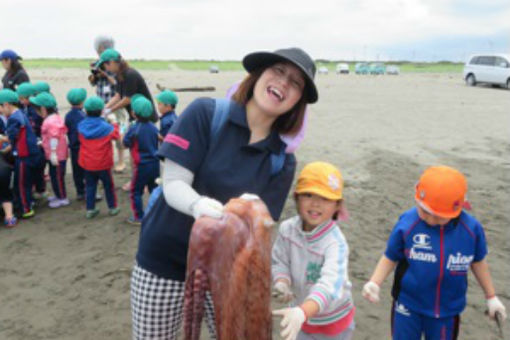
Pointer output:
x,y
310,259
432,246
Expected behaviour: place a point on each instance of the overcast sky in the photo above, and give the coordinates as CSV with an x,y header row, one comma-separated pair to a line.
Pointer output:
x,y
228,29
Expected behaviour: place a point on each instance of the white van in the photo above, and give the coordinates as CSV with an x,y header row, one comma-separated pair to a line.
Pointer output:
x,y
489,69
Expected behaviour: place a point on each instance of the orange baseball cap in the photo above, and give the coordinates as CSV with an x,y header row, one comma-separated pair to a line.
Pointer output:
x,y
441,191
322,179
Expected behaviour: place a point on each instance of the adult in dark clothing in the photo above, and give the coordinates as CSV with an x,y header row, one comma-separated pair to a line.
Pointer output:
x,y
129,83
15,73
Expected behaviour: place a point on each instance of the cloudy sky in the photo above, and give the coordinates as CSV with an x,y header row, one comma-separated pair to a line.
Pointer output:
x,y
228,29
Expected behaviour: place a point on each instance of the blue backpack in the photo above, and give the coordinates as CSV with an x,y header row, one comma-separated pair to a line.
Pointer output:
x,y
219,119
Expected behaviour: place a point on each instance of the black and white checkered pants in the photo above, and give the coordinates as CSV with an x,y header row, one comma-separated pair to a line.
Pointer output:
x,y
157,306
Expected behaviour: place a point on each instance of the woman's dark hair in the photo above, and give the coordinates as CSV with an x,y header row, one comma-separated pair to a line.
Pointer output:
x,y
15,66
288,123
123,66
94,113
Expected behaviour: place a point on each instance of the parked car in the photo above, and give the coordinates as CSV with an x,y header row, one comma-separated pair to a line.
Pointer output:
x,y
393,69
323,70
342,68
361,68
489,69
377,68
214,69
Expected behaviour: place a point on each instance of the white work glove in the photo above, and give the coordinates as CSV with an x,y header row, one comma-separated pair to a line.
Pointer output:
x,y
282,292
107,111
371,291
206,206
53,158
495,306
111,118
293,319
249,197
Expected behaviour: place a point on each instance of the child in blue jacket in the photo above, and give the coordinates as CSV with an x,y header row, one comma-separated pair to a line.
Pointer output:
x,y
76,97
167,101
142,140
432,246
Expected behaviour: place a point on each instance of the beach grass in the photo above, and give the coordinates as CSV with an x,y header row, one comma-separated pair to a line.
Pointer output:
x,y
201,65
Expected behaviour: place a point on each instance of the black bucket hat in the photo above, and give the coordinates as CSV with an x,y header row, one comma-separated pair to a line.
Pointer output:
x,y
294,55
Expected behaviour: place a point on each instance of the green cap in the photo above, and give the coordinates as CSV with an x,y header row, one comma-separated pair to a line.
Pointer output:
x,y
135,97
8,96
41,86
25,90
168,97
76,96
142,107
44,99
93,103
108,55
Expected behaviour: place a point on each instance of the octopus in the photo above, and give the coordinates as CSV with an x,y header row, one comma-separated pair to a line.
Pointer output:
x,y
231,258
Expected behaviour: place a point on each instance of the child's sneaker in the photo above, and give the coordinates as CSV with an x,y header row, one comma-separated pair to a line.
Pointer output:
x,y
92,213
10,222
114,211
28,214
52,198
135,221
57,203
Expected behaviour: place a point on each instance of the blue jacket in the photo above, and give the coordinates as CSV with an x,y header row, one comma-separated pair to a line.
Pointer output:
x,y
166,121
433,262
21,135
142,141
73,118
34,119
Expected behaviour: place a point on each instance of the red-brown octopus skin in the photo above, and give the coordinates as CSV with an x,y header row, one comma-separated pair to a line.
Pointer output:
x,y
231,258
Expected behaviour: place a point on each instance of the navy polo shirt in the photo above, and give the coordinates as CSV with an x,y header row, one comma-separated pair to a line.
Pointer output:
x,y
223,169
142,140
73,118
166,121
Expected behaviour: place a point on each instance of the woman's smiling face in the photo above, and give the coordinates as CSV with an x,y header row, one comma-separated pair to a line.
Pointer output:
x,y
279,88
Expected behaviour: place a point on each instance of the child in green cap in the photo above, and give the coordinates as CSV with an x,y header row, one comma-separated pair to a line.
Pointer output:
x,y
24,149
167,101
25,91
54,143
42,86
142,141
96,155
76,97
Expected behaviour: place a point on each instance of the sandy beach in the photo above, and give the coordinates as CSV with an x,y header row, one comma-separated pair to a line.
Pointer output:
x,y
65,277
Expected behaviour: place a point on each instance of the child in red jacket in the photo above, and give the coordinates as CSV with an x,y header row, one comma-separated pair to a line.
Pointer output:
x,y
96,155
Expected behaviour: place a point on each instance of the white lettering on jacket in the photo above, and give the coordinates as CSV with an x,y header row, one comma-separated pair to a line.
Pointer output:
x,y
422,256
459,262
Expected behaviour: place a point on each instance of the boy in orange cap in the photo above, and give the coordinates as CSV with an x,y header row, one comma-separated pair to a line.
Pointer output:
x,y
310,259
433,245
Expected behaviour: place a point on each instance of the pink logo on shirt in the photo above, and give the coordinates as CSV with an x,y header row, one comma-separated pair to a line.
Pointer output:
x,y
179,141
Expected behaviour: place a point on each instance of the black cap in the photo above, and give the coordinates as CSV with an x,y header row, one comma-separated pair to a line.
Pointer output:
x,y
294,55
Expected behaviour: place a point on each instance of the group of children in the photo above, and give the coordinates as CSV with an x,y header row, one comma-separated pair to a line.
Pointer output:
x,y
34,135
432,246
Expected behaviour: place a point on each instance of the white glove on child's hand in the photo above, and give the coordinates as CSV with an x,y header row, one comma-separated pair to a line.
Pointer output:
x,y
206,206
293,319
282,292
496,306
106,111
53,158
371,291
249,197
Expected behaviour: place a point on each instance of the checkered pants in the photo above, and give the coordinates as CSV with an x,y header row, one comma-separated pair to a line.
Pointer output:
x,y
156,306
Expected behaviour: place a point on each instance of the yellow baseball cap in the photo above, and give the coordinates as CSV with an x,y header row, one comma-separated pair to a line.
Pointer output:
x,y
322,179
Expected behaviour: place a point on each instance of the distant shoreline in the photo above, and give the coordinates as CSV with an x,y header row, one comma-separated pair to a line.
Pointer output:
x,y
228,65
